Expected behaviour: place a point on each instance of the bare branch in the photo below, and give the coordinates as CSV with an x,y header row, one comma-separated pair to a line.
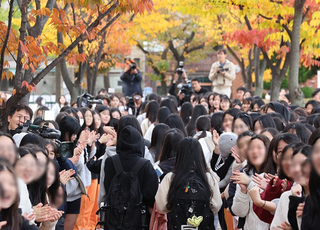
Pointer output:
x,y
199,47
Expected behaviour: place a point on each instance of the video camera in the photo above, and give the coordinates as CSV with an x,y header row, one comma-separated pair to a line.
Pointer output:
x,y
85,100
221,69
43,131
131,99
185,88
180,68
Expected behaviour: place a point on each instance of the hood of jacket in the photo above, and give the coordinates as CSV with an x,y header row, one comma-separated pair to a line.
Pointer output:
x,y
280,108
131,142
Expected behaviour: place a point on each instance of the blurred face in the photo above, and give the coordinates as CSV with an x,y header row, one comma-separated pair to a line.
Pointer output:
x,y
257,127
216,102
73,137
88,118
7,149
221,56
295,169
225,105
309,109
42,162
97,121
227,123
269,135
315,158
286,162
116,115
306,168
10,189
137,99
62,100
269,110
114,102
105,117
51,151
239,127
196,86
18,118
51,174
246,106
80,115
26,168
240,94
256,153
256,107
243,146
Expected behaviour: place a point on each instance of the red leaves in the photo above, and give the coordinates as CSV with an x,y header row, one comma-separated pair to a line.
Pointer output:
x,y
251,37
28,86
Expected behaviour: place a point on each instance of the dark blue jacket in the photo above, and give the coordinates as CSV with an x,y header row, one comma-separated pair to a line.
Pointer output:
x,y
131,83
66,164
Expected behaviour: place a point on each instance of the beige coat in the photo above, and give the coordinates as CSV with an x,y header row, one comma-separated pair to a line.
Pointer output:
x,y
162,194
219,79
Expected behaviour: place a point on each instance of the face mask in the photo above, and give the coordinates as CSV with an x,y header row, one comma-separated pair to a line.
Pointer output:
x,y
267,97
121,108
81,121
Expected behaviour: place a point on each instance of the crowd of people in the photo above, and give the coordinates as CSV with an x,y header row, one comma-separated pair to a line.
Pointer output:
x,y
208,163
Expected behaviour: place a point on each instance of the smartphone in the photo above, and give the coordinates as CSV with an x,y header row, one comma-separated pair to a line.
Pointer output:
x,y
48,115
66,149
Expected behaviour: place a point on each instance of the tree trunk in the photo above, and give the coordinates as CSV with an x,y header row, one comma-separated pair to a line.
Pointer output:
x,y
296,95
275,86
258,71
58,83
106,81
163,85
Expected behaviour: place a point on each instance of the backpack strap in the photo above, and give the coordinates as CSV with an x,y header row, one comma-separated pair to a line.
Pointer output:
x,y
140,163
117,164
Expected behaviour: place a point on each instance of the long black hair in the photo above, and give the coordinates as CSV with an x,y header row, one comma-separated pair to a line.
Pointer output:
x,y
216,121
245,118
152,111
186,112
170,105
311,210
11,214
32,138
174,121
128,120
266,143
198,111
68,126
170,144
300,130
83,110
287,138
271,165
157,137
53,189
203,125
265,121
37,189
189,158
163,113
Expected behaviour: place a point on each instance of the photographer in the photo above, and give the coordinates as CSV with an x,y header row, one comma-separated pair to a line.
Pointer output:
x,y
222,74
131,79
184,87
134,104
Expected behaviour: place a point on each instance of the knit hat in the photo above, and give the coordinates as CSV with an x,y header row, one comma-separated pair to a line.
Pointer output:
x,y
130,141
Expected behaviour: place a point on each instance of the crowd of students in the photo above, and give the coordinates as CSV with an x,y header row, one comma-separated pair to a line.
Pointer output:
x,y
211,163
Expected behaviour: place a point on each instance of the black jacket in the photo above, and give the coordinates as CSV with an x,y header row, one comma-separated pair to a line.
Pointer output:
x,y
131,83
130,148
166,166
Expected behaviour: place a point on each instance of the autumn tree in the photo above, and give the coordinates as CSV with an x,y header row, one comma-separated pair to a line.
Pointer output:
x,y
31,52
166,36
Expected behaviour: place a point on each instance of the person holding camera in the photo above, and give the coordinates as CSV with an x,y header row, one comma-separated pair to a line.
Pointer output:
x,y
184,87
222,74
131,79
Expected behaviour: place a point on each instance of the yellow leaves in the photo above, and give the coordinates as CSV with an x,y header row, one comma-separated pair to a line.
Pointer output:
x,y
14,92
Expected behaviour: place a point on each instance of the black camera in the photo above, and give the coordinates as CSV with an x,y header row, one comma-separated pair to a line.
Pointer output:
x,y
133,66
221,69
180,68
86,100
43,131
65,149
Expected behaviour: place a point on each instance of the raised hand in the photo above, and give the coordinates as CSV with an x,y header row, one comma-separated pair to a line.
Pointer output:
x,y
41,212
2,223
65,176
260,181
296,190
215,138
255,196
241,179
235,153
29,217
299,211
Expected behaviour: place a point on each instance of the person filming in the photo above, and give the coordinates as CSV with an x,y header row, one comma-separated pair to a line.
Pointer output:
x,y
131,79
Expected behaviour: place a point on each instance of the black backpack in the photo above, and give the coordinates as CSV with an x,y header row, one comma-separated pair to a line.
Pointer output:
x,y
124,208
191,200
